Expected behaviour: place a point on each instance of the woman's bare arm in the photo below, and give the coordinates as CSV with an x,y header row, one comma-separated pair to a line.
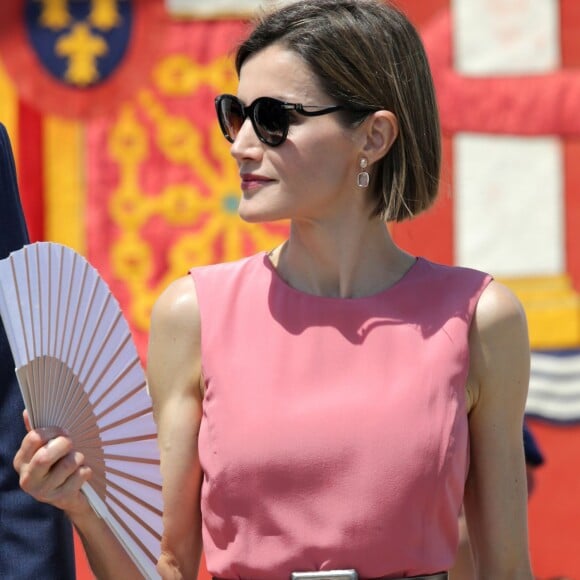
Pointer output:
x,y
496,495
173,375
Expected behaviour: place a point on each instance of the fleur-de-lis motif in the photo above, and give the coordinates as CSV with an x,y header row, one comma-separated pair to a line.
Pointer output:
x,y
54,14
105,14
82,49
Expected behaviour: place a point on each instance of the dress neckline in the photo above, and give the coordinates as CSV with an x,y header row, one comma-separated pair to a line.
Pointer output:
x,y
396,286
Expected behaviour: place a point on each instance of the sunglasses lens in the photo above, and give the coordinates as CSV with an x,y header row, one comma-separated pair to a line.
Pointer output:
x,y
230,116
270,120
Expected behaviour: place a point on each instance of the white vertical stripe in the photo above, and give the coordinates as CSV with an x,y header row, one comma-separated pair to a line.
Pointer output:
x,y
509,204
494,37
215,8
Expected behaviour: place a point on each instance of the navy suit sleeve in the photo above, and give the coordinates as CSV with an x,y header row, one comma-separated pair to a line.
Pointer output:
x,y
35,539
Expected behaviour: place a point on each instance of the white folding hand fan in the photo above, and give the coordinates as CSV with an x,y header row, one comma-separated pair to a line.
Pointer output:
x,y
78,369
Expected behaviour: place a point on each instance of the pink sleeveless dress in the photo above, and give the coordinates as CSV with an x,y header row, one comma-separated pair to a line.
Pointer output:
x,y
334,431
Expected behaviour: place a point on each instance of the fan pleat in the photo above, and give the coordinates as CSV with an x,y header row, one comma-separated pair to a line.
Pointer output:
x,y
128,402
112,338
82,318
99,485
13,324
149,475
135,511
144,559
70,398
22,375
128,459
147,540
25,351
34,283
75,309
62,378
106,426
66,283
78,369
126,511
26,314
6,300
117,438
107,398
141,493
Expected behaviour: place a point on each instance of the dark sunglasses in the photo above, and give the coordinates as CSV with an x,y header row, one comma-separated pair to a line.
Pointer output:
x,y
270,117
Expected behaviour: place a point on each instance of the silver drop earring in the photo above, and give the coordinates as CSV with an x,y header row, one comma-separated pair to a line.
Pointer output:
x,y
363,178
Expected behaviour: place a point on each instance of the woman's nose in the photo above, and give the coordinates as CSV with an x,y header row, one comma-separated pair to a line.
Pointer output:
x,y
246,144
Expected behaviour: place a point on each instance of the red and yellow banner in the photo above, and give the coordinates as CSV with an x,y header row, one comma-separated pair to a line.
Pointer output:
x,y
162,187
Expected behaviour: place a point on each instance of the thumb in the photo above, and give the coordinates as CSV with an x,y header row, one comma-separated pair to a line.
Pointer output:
x,y
26,420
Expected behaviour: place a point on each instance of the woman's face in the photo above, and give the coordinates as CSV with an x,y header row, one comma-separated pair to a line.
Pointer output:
x,y
311,175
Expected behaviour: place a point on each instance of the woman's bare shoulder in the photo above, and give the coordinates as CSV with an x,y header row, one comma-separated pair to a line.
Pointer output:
x,y
499,310
499,344
177,305
173,361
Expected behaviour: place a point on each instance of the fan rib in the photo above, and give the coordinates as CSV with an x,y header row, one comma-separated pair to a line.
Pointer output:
x,y
86,419
115,357
72,397
58,332
133,547
38,395
30,302
86,312
33,274
97,357
22,375
75,315
51,366
100,318
153,532
31,392
62,334
119,422
65,325
130,477
135,498
147,437
117,509
55,324
129,458
126,397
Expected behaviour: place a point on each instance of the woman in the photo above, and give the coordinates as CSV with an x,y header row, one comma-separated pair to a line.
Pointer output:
x,y
322,406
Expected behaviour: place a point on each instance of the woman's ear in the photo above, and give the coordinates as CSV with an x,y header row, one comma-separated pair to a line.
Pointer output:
x,y
382,128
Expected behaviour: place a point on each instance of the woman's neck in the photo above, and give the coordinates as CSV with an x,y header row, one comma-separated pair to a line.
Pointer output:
x,y
346,264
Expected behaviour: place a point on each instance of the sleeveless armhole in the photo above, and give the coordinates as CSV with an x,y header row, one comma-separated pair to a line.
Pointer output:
x,y
486,280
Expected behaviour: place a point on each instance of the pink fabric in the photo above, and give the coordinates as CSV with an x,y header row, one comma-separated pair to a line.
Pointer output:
x,y
334,432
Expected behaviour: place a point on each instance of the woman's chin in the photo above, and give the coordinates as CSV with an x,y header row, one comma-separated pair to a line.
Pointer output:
x,y
256,215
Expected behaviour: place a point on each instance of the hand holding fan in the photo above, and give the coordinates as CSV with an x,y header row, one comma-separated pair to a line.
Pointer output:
x,y
78,369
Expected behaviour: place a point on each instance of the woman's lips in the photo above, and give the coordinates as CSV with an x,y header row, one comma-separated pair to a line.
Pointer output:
x,y
252,181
